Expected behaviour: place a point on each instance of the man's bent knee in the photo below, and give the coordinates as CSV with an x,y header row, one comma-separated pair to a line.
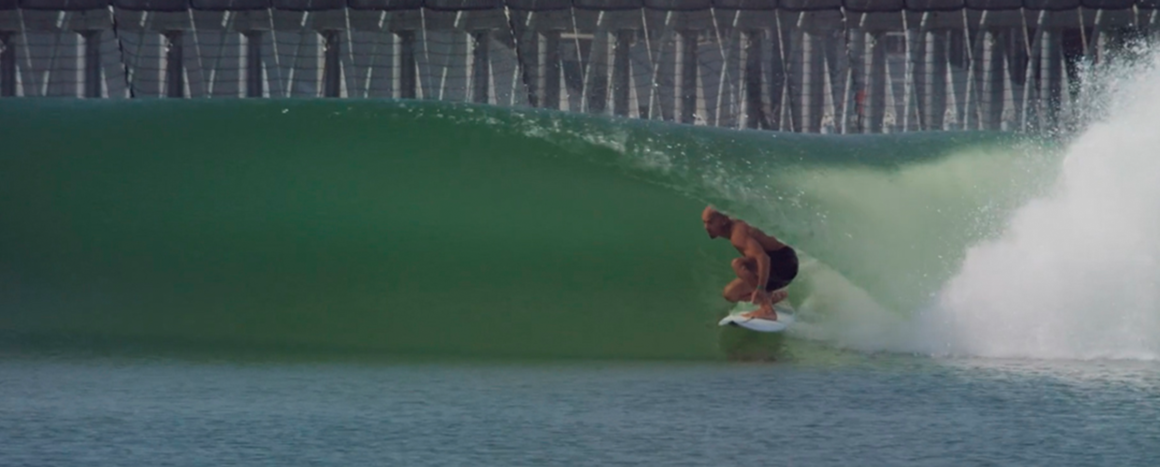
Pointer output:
x,y
744,268
736,291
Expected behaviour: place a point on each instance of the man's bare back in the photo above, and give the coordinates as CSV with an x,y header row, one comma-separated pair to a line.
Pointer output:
x,y
742,232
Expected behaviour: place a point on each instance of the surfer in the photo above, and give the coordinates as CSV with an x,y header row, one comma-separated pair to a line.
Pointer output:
x,y
766,267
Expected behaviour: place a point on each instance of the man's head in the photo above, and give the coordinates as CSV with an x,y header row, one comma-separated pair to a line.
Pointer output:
x,y
716,224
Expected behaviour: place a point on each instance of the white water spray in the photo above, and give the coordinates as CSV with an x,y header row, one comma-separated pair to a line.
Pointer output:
x,y
1076,273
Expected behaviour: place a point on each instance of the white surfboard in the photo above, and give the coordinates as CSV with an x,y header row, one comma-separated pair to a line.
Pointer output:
x,y
784,319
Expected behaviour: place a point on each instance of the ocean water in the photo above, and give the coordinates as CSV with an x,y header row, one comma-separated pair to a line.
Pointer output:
x,y
322,282
886,410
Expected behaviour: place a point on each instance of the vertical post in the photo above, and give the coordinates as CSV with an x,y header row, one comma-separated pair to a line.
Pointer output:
x,y
835,45
596,73
856,50
753,109
992,91
877,83
174,65
620,72
7,65
936,80
331,68
1051,72
255,85
957,47
813,82
796,77
917,96
972,118
1032,95
531,62
957,60
1016,55
1073,48
551,70
92,71
687,85
481,66
776,79
406,66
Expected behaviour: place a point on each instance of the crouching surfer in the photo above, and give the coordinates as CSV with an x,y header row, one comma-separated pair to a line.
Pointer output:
x,y
766,267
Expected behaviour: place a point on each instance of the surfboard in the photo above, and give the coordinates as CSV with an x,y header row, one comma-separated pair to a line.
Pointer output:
x,y
785,318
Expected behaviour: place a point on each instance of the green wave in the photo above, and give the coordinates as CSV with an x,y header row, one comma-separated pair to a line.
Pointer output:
x,y
441,229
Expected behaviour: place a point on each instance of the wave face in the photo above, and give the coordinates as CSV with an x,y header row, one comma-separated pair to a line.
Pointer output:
x,y
433,228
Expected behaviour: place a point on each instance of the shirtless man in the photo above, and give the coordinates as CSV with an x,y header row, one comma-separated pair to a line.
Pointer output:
x,y
765,261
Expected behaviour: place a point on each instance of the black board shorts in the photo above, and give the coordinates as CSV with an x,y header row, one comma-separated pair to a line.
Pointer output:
x,y
783,268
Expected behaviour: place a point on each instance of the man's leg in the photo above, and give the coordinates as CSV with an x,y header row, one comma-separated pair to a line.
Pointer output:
x,y
741,289
737,291
746,282
765,309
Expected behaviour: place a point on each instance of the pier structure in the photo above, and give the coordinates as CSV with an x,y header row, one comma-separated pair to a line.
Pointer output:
x,y
817,66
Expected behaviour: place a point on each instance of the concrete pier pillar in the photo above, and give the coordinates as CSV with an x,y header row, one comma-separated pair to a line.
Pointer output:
x,y
813,82
174,64
1074,50
777,80
1016,53
958,80
331,68
596,74
856,49
407,82
834,46
795,80
7,65
876,83
529,58
1017,65
92,71
480,66
992,91
1051,77
972,115
621,72
753,107
550,70
935,88
687,76
916,81
255,85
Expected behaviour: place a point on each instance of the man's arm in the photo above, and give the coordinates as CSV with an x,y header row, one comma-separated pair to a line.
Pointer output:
x,y
754,250
751,248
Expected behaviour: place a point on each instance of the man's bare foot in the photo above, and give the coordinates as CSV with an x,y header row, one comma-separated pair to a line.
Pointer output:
x,y
765,312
